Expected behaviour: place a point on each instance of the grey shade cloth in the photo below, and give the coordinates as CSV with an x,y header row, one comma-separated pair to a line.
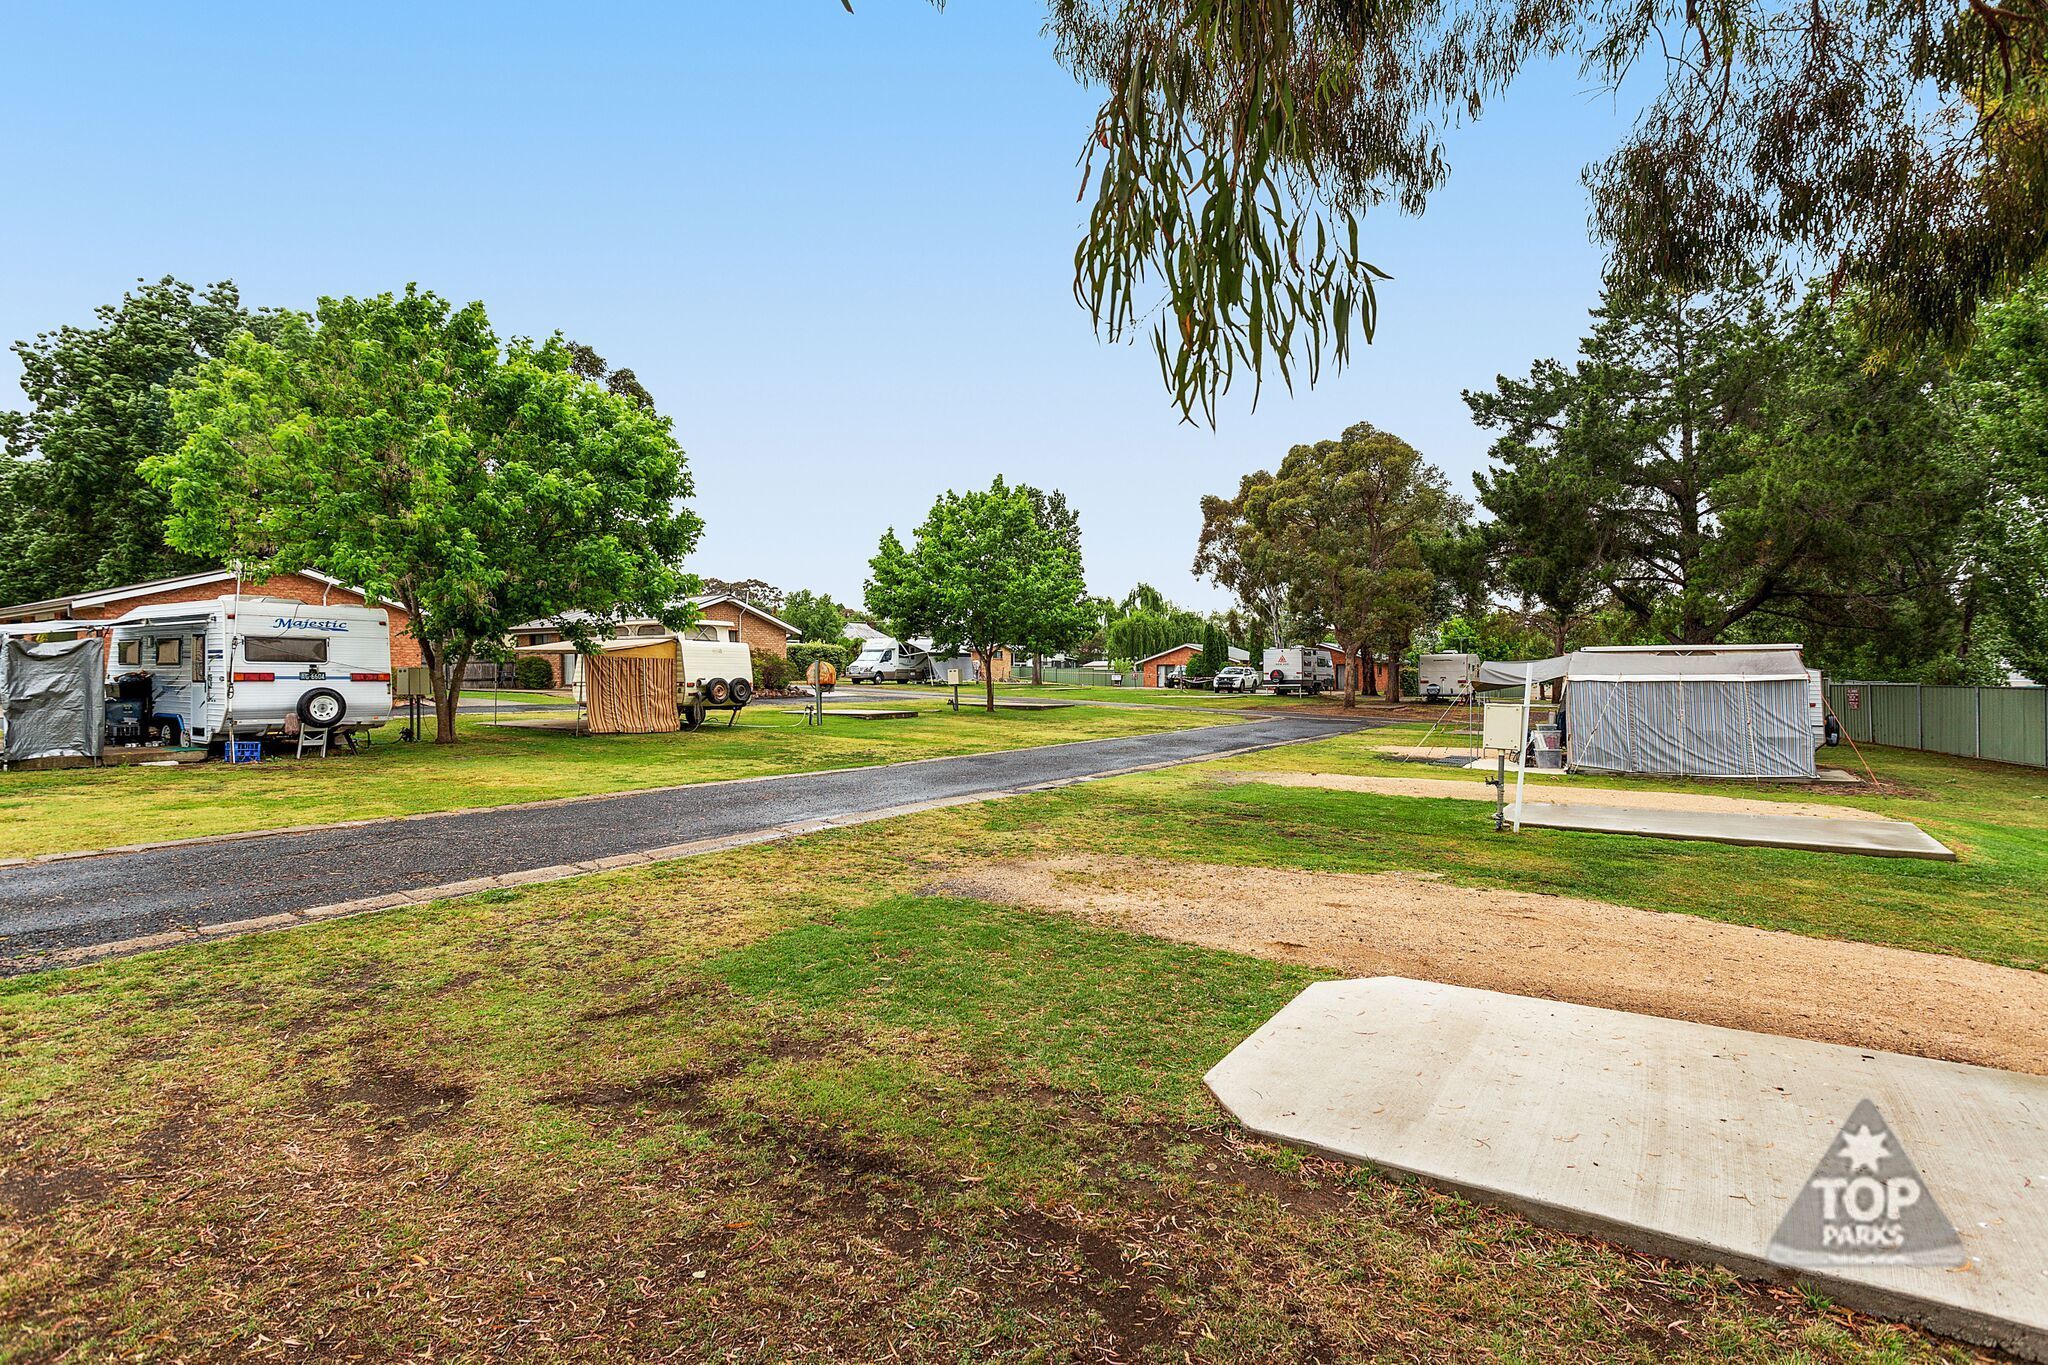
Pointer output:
x,y
52,699
1512,674
1690,727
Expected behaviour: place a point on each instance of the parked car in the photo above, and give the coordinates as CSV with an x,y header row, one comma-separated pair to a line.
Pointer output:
x,y
1238,678
1299,669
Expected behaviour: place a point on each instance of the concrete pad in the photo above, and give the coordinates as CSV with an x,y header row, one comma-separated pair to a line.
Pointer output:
x,y
1677,1138
1874,838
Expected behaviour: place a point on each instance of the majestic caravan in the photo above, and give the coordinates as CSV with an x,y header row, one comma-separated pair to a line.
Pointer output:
x,y
239,667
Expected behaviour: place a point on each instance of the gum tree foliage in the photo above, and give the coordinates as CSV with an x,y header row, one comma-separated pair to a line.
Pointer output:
x,y
1901,144
752,591
2001,394
1714,465
397,444
980,573
74,514
1229,555
1215,651
1346,522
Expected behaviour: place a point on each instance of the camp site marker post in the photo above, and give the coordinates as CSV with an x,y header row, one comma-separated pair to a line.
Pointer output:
x,y
1522,754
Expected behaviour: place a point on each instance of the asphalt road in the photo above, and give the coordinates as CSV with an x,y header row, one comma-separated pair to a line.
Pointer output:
x,y
45,907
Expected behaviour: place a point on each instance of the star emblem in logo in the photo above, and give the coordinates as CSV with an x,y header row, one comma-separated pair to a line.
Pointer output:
x,y
1865,1149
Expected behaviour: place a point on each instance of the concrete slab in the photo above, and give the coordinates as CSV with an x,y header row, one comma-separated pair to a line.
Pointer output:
x,y
1873,838
1677,1138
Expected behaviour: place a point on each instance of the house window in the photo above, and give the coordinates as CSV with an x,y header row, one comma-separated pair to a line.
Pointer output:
x,y
732,636
285,649
129,653
169,652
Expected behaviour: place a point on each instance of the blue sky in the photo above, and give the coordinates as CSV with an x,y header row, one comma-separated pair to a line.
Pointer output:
x,y
838,249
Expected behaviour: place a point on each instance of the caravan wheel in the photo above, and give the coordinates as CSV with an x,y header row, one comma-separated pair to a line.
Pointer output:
x,y
321,708
717,691
742,691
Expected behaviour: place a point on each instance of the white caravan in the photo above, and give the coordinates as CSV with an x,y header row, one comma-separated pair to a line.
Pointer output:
x,y
1298,669
244,667
1447,675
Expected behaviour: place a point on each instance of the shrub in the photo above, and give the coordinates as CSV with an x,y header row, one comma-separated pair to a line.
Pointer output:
x,y
804,653
773,673
533,673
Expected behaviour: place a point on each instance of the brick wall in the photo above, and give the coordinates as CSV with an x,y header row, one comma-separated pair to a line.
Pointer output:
x,y
758,635
405,650
1149,673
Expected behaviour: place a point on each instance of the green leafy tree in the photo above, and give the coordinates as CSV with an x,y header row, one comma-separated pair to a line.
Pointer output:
x,y
74,511
752,591
1215,650
815,615
980,573
1716,466
1345,522
397,444
1063,523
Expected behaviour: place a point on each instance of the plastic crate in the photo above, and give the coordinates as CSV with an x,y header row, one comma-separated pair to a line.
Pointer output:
x,y
244,750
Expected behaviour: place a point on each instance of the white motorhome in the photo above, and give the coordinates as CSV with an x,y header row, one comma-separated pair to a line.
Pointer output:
x,y
1298,669
244,667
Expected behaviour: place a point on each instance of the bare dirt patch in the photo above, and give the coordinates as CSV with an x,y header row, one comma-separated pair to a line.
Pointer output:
x,y
1557,947
1555,794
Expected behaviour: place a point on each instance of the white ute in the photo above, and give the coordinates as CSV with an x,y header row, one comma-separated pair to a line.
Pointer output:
x,y
244,667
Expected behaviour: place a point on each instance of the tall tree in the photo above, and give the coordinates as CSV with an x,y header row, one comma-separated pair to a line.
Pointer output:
x,y
1346,520
74,513
1063,523
396,443
752,591
1713,464
1232,556
2001,396
980,573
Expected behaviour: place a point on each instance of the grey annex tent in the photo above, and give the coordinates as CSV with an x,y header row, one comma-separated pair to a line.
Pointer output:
x,y
52,698
1737,711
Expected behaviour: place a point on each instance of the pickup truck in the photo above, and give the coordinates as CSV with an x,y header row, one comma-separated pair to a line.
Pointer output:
x,y
1237,678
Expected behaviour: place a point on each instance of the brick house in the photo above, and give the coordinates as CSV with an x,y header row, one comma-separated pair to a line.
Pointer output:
x,y
1156,669
722,618
306,585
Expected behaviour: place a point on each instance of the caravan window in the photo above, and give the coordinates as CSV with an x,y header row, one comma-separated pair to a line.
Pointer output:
x,y
129,653
169,652
199,658
285,649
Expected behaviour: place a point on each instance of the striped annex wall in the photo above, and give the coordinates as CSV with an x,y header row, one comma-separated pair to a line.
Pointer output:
x,y
2003,724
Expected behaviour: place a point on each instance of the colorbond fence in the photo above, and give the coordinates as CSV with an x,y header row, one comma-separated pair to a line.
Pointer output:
x,y
2004,724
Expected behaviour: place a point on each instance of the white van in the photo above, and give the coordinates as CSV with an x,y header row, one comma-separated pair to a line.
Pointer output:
x,y
1298,669
245,667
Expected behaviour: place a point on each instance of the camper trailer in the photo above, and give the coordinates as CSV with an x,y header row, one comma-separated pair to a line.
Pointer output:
x,y
246,667
1447,676
1302,669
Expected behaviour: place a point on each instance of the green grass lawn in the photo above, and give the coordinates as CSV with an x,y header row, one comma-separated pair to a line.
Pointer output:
x,y
48,812
512,697
796,1100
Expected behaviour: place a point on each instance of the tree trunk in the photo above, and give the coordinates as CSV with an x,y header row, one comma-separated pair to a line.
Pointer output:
x,y
1350,675
1365,667
1394,652
1038,668
447,693
988,676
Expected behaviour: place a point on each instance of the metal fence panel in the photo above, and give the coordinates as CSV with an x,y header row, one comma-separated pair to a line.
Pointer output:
x,y
2004,724
1894,714
1949,720
2016,725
